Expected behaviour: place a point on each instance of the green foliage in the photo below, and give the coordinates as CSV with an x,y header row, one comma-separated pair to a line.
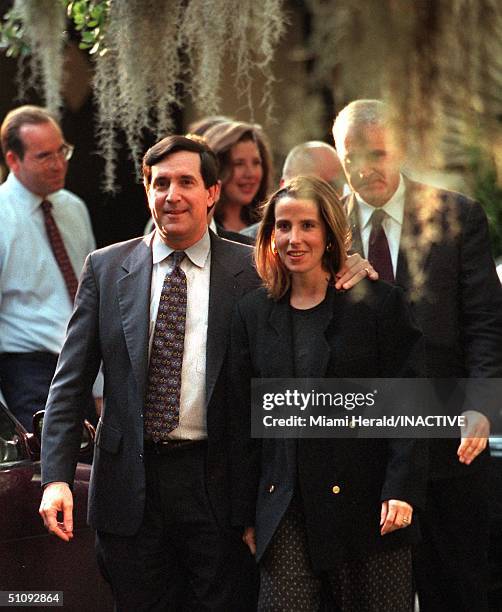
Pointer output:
x,y
12,35
149,56
488,192
90,17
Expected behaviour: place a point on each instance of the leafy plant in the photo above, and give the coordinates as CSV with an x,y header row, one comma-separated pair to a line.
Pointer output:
x,y
12,35
90,17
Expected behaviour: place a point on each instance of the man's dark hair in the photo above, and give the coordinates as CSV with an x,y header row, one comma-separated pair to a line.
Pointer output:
x,y
14,121
209,167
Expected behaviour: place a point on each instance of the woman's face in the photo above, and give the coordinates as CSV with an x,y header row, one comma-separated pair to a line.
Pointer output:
x,y
300,235
246,173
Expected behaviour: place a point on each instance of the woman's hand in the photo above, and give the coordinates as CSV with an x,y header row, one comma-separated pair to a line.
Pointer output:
x,y
395,514
249,539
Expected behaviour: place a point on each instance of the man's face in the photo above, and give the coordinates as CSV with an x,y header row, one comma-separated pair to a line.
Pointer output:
x,y
371,162
43,167
179,200
330,169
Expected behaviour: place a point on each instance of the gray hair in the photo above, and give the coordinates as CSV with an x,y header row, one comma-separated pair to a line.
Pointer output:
x,y
357,113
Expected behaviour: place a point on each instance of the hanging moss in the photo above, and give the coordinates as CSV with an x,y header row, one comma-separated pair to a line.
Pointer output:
x,y
147,53
438,63
35,33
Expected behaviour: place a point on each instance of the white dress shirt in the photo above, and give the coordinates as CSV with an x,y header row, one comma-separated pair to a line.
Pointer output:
x,y
197,267
392,223
34,303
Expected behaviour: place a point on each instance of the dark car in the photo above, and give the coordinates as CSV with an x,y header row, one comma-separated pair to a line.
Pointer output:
x,y
30,558
495,552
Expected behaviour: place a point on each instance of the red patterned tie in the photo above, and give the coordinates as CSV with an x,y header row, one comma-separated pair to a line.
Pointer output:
x,y
59,250
162,400
378,250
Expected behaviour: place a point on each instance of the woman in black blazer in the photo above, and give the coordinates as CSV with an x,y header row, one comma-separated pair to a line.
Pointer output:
x,y
322,515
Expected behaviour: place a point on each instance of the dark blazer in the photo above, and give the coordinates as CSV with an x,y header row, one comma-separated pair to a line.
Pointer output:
x,y
235,236
369,333
110,323
447,271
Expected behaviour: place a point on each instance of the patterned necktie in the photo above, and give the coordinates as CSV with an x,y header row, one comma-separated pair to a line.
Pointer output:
x,y
378,250
162,401
59,250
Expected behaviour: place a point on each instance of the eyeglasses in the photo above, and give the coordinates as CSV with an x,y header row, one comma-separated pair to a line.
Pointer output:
x,y
63,154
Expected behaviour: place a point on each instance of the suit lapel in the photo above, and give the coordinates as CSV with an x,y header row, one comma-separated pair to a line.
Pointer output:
x,y
133,290
280,355
279,350
353,216
224,291
417,238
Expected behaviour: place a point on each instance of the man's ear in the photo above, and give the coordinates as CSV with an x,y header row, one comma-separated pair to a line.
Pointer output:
x,y
213,194
12,160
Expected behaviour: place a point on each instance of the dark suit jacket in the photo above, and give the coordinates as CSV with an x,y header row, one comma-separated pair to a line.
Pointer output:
x,y
447,271
370,333
110,323
234,236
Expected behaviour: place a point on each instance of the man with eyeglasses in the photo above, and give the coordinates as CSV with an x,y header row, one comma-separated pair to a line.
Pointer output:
x,y
45,236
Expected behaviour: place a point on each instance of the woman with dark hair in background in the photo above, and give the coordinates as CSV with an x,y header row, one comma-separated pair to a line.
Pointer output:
x,y
245,171
322,514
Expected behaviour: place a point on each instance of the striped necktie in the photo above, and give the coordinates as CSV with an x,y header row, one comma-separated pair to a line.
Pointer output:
x,y
59,250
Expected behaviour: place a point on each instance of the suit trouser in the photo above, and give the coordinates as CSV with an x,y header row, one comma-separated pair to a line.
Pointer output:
x,y
181,558
25,379
451,563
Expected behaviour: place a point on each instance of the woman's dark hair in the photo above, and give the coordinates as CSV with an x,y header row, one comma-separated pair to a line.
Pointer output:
x,y
221,138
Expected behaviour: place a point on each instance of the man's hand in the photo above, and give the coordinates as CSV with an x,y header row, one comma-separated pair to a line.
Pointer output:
x,y
395,514
57,497
355,269
249,539
475,436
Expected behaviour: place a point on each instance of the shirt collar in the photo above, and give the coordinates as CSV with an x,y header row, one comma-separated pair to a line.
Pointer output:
x,y
394,207
197,253
24,197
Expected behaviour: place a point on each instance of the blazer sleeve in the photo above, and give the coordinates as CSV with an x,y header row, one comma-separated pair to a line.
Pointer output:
x,y
245,452
481,316
481,299
402,356
71,387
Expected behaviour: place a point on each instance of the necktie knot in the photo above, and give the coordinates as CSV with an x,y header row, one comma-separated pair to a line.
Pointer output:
x,y
377,218
177,258
46,206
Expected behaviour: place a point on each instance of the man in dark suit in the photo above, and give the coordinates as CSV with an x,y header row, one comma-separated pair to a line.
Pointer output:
x,y
158,495
435,244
